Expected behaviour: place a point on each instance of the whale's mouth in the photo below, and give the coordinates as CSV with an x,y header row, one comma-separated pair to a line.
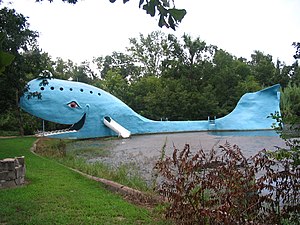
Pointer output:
x,y
72,129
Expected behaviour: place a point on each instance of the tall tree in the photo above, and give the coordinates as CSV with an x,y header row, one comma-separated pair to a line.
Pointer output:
x,y
263,68
149,52
290,104
5,58
22,43
115,84
295,74
195,49
69,70
188,59
120,62
282,74
224,79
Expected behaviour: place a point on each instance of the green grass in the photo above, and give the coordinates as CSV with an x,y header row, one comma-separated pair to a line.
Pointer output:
x,y
74,154
57,195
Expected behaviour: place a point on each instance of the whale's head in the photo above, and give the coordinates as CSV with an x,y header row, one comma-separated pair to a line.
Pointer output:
x,y
60,101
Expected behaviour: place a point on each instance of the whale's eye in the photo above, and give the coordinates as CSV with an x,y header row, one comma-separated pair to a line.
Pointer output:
x,y
73,105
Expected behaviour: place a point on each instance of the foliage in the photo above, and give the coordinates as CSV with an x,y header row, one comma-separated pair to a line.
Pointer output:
x,y
114,84
169,15
20,42
160,76
263,68
28,63
223,187
68,70
8,122
119,62
247,85
163,76
5,58
290,104
149,51
297,46
290,132
295,74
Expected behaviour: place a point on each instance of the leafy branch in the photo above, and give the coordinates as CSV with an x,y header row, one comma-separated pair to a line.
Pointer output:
x,y
5,57
44,76
290,134
297,46
169,15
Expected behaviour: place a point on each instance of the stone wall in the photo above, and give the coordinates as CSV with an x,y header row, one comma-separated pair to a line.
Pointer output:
x,y
12,172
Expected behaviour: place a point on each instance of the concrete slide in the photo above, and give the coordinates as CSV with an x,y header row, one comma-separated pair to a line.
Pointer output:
x,y
121,131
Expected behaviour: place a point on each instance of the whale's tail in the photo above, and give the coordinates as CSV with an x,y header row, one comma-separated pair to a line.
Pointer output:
x,y
253,111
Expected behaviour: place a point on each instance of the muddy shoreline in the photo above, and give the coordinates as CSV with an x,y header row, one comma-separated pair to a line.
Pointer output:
x,y
143,151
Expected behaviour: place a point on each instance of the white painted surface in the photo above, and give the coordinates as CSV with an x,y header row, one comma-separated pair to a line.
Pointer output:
x,y
121,131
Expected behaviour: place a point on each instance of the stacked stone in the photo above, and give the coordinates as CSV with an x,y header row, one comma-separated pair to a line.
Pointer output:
x,y
12,172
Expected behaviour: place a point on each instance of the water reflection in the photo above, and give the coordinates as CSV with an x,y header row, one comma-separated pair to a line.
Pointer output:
x,y
258,133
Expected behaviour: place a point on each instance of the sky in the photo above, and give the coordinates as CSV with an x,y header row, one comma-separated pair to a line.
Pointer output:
x,y
93,28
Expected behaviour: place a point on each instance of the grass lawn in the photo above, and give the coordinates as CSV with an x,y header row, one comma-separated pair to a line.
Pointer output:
x,y
57,195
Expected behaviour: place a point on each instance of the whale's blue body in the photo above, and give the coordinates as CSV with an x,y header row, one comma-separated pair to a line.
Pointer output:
x,y
85,106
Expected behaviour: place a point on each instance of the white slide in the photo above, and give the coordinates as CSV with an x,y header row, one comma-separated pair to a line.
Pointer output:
x,y
121,131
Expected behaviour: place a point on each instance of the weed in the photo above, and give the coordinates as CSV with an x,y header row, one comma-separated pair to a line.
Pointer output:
x,y
126,174
223,187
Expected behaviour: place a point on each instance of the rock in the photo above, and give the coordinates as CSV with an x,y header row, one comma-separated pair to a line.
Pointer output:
x,y
12,172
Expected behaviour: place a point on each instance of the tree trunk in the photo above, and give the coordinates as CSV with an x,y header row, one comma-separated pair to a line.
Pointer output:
x,y
19,115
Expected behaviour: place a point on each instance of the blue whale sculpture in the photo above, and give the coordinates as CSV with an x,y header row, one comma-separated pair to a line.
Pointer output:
x,y
92,112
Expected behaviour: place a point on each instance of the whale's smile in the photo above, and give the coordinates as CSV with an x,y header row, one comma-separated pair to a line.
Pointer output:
x,y
73,128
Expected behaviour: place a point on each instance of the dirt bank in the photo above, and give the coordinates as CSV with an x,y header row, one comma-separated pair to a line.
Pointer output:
x,y
143,151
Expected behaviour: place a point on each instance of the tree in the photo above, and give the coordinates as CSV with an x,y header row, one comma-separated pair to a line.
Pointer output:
x,y
295,73
139,93
297,46
69,70
149,52
290,104
195,49
169,16
20,42
115,84
121,63
188,60
83,73
5,58
263,68
225,79
282,74
249,84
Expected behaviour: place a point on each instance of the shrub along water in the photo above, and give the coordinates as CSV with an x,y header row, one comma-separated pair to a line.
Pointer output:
x,y
223,187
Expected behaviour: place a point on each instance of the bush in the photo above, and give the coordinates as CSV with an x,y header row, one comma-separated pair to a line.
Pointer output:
x,y
223,187
8,122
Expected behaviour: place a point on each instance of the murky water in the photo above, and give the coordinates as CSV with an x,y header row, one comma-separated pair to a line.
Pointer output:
x,y
144,150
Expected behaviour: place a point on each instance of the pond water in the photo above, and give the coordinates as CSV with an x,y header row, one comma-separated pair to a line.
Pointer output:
x,y
143,151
